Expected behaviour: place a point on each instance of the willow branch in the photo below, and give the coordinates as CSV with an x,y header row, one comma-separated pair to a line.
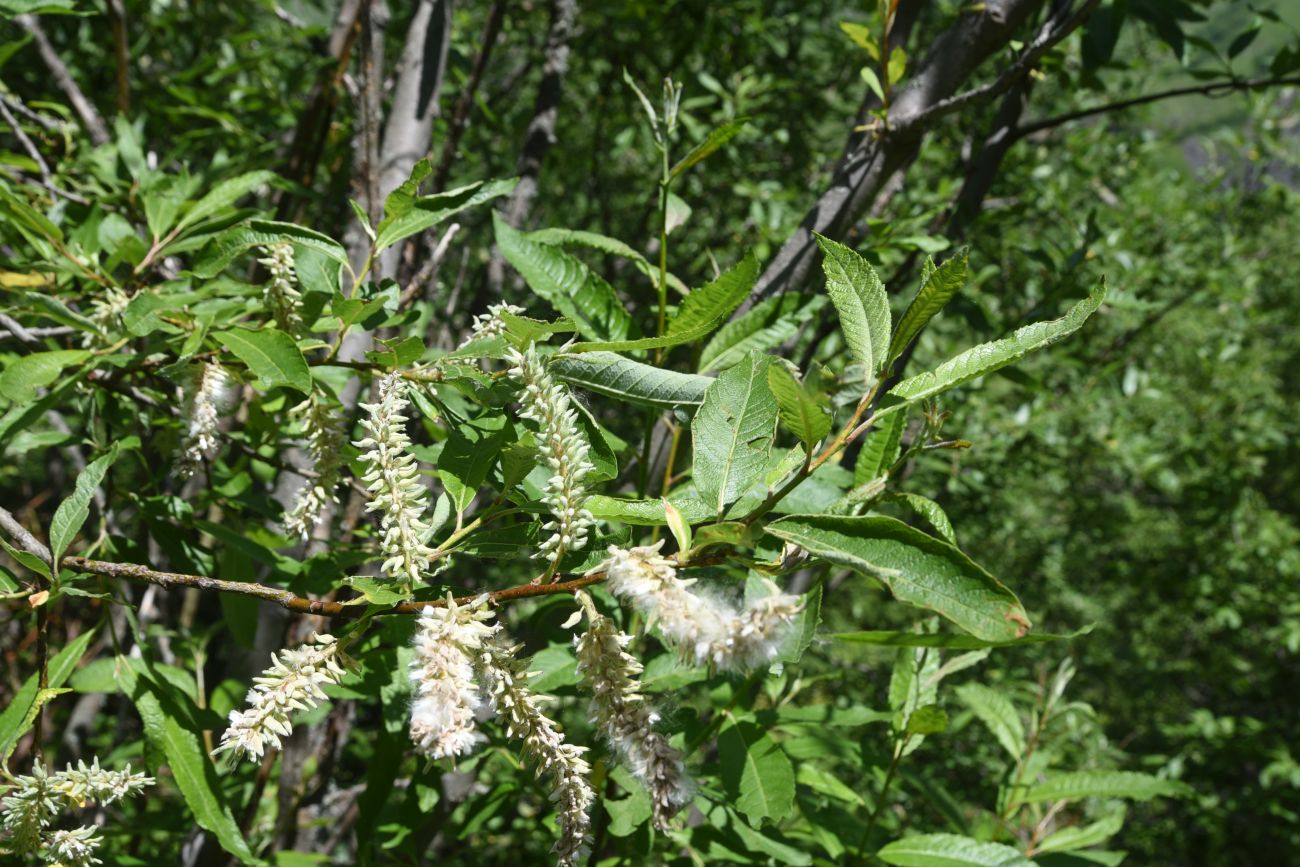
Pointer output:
x,y
85,109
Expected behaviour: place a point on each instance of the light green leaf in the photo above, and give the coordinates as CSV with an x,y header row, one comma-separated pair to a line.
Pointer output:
x,y
14,721
859,297
72,512
756,774
826,783
1099,784
645,513
732,433
805,411
889,638
714,140
190,764
624,379
569,285
918,569
224,195
881,448
236,240
932,512
766,842
769,324
862,37
804,629
950,850
927,720
403,218
873,81
1075,837
706,307
997,712
981,360
23,376
271,355
937,288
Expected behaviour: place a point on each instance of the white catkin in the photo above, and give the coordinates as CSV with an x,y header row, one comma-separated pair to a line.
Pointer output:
x,y
708,630
281,292
447,642
547,402
203,405
106,312
323,426
491,323
73,848
626,718
394,484
35,799
294,682
545,746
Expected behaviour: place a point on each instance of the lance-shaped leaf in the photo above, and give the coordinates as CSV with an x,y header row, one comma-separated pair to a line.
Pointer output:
x,y
714,140
931,511
406,213
732,433
988,357
223,249
950,850
271,355
1074,837
72,512
569,285
755,772
770,323
1098,784
880,449
997,712
918,569
624,379
938,285
859,297
223,195
805,411
891,638
21,378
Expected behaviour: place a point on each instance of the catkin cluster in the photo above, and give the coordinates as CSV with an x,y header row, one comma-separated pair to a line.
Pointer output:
x,y
323,427
447,643
281,292
394,484
35,800
491,323
203,402
707,630
547,402
625,717
295,681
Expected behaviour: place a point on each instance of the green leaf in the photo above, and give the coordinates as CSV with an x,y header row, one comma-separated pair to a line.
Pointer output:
x,y
472,449
873,81
732,433
976,362
859,297
763,841
72,512
927,720
889,638
937,289
223,195
624,379
189,762
23,376
808,774
272,356
805,411
950,850
223,249
14,721
646,513
405,216
997,712
714,140
932,512
881,449
569,285
756,774
862,37
769,324
918,569
805,625
1099,784
1074,837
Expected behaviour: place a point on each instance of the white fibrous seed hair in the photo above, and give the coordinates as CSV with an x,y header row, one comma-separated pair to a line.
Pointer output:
x,y
323,427
34,800
74,848
626,718
491,323
547,402
544,745
447,642
281,292
202,414
707,630
294,682
394,485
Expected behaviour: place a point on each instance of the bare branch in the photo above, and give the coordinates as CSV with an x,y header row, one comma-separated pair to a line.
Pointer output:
x,y
26,142
23,537
460,114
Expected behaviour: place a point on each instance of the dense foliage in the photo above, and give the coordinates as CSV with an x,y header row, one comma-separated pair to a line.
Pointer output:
x,y
519,433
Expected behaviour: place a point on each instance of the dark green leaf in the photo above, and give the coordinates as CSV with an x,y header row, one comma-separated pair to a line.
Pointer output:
x,y
732,433
72,512
859,297
937,289
714,140
271,355
624,379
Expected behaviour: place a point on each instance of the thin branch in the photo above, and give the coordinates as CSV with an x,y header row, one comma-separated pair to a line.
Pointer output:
x,y
23,537
1048,38
85,109
26,142
49,124
121,54
460,114
1216,88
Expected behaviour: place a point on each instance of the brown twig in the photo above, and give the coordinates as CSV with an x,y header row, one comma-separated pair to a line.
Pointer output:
x,y
121,54
460,114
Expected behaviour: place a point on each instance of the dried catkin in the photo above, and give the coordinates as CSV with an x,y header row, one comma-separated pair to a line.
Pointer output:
x,y
626,718
203,401
394,483
447,642
323,427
